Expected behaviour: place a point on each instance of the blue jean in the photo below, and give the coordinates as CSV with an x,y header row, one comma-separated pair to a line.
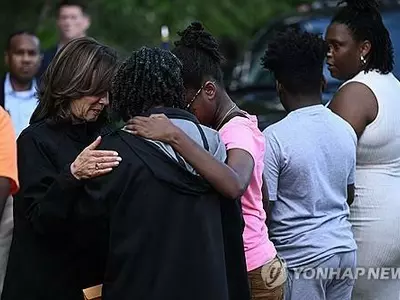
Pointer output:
x,y
306,284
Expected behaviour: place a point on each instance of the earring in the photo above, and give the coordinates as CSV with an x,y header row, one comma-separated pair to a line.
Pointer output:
x,y
363,60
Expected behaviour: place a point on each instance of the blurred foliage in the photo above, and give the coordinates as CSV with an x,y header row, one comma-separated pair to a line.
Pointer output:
x,y
129,24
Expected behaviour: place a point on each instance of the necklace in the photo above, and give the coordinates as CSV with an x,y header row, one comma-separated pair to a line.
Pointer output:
x,y
224,117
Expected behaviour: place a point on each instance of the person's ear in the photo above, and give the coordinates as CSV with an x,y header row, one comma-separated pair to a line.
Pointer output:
x,y
365,49
86,23
210,89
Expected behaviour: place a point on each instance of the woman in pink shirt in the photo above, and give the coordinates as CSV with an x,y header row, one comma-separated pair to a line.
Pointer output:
x,y
245,144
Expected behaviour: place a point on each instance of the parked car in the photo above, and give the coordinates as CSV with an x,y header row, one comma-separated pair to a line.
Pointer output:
x,y
254,88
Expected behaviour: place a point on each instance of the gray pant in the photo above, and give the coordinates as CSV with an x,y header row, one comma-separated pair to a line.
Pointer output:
x,y
326,280
6,231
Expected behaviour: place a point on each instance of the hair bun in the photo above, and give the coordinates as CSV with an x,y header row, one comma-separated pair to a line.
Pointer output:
x,y
196,26
191,35
195,36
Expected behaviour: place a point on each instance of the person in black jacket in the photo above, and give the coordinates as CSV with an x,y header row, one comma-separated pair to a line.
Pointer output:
x,y
50,255
168,231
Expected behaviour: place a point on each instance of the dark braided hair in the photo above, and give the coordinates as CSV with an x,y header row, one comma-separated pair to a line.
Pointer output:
x,y
199,53
149,77
364,20
296,60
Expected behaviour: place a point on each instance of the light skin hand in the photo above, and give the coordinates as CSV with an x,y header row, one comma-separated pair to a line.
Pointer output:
x,y
91,163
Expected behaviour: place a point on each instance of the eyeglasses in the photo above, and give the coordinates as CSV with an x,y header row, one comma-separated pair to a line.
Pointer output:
x,y
197,94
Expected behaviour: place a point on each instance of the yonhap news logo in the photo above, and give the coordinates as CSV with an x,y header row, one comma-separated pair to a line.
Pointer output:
x,y
370,273
274,273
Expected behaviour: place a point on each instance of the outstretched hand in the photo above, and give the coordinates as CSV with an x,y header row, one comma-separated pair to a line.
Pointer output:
x,y
156,127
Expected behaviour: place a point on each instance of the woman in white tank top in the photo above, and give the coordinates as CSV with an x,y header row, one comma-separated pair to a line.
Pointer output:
x,y
361,54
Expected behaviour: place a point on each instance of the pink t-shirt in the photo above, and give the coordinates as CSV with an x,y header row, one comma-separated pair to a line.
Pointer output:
x,y
243,133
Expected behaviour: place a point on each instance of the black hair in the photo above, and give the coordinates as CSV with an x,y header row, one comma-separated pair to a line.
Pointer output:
x,y
16,33
149,77
80,3
199,53
296,60
364,20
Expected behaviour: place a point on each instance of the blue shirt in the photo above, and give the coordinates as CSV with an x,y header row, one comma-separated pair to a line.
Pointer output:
x,y
20,105
309,162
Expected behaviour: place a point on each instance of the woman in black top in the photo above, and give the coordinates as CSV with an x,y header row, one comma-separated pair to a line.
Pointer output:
x,y
52,255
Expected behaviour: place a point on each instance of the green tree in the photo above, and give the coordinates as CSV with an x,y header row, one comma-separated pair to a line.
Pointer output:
x,y
129,24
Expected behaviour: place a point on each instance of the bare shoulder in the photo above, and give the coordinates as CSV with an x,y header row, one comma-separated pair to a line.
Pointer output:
x,y
353,94
357,104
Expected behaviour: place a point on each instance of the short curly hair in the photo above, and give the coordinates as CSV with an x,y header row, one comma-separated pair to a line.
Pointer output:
x,y
296,60
149,77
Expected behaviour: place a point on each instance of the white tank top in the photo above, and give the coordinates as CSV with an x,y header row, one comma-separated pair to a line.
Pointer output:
x,y
379,145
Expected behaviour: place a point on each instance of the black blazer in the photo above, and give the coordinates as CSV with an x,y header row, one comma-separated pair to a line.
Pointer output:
x,y
53,252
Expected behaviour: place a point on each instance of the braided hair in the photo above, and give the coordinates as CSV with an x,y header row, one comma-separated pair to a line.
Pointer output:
x,y
296,59
149,77
199,53
364,20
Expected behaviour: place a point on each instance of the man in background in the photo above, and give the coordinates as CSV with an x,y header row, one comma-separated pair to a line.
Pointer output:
x,y
8,187
72,22
18,88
